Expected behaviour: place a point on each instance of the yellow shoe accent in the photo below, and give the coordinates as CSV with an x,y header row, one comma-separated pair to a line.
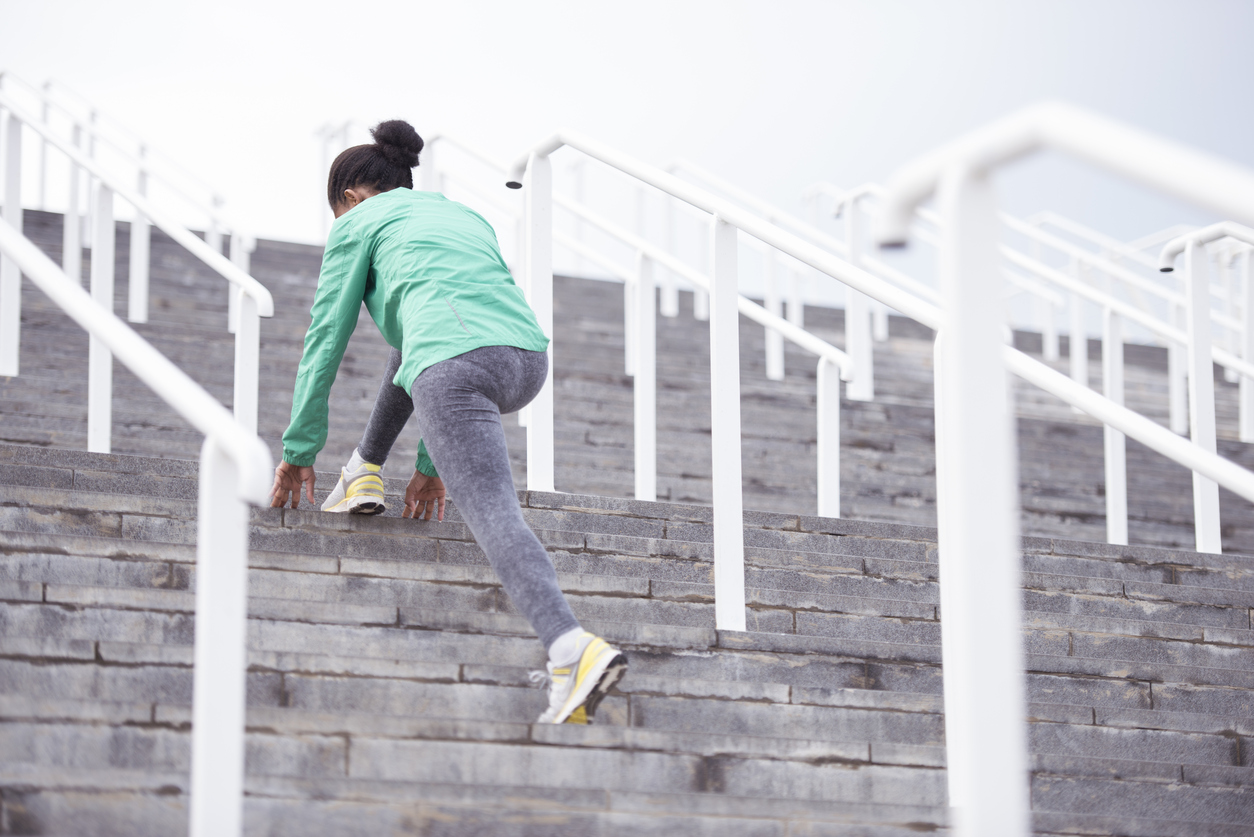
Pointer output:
x,y
575,694
360,492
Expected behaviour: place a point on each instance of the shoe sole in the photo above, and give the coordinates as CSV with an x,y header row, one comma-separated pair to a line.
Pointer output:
x,y
358,505
612,673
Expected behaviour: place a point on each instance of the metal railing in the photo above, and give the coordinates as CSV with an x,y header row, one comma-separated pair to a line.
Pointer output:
x,y
978,512
252,300
640,355
87,128
976,506
235,470
1115,311
534,174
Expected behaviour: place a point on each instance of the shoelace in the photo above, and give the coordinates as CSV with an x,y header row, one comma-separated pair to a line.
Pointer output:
x,y
540,679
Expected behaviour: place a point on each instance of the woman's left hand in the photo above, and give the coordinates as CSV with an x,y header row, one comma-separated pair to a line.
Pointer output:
x,y
424,497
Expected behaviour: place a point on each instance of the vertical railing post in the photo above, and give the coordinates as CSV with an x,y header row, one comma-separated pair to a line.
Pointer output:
x,y
645,383
88,226
137,296
539,198
1202,397
796,299
577,183
220,651
1245,396
775,305
1078,341
828,402
955,659
71,232
247,361
242,247
700,297
1178,374
521,278
728,499
630,298
859,341
629,328
982,646
668,303
1116,446
10,275
428,176
99,358
879,321
1049,327
45,113
1232,339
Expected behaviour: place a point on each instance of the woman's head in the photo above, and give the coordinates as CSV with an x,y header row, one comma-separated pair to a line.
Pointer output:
x,y
365,170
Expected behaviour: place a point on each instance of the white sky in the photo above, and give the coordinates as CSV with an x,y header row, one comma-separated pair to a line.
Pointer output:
x,y
771,95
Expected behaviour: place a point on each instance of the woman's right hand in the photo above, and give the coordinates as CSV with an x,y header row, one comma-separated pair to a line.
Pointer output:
x,y
288,480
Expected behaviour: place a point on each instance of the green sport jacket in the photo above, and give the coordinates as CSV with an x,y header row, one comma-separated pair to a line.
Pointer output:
x,y
431,275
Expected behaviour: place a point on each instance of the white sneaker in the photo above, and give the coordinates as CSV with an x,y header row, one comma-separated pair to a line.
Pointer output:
x,y
576,689
358,492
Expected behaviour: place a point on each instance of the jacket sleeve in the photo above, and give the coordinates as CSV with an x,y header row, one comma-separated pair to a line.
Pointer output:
x,y
337,304
424,465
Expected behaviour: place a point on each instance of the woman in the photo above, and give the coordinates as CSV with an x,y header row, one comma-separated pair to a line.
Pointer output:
x,y
466,347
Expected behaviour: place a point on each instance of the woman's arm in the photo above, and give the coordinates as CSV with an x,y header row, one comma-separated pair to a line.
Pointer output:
x,y
337,303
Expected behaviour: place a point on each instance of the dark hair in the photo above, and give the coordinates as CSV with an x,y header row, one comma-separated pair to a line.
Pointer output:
x,y
384,165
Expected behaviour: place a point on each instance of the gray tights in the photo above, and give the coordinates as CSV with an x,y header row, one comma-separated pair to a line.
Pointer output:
x,y
459,403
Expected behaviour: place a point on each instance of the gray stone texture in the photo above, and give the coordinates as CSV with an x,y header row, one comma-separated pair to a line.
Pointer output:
x,y
388,684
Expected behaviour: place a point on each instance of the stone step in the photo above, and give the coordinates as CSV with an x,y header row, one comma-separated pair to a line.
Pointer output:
x,y
418,584
1089,559
388,678
287,808
801,611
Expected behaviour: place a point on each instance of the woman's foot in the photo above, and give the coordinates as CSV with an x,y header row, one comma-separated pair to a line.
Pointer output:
x,y
577,687
359,491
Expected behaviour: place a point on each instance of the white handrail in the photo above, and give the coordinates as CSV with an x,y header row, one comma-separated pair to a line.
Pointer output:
x,y
1221,356
747,307
535,169
1146,431
198,407
1215,232
136,158
235,469
1113,245
750,309
219,263
751,224
766,209
983,654
1092,259
499,165
1212,183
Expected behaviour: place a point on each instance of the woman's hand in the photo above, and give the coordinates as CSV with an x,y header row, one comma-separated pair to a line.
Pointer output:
x,y
288,480
423,496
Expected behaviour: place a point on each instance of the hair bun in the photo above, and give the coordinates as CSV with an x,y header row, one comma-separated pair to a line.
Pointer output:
x,y
398,142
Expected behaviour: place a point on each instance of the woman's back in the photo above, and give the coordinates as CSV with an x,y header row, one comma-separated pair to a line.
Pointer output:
x,y
436,284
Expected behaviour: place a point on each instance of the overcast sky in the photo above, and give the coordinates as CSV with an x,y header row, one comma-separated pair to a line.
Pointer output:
x,y
772,95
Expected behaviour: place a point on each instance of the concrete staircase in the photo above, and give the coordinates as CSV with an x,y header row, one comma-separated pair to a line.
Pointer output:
x,y
888,470
388,688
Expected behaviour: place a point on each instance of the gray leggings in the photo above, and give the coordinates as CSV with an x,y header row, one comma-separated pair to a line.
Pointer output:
x,y
459,403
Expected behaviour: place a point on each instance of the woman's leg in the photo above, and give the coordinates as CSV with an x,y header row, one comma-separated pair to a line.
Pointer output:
x,y
459,404
392,408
